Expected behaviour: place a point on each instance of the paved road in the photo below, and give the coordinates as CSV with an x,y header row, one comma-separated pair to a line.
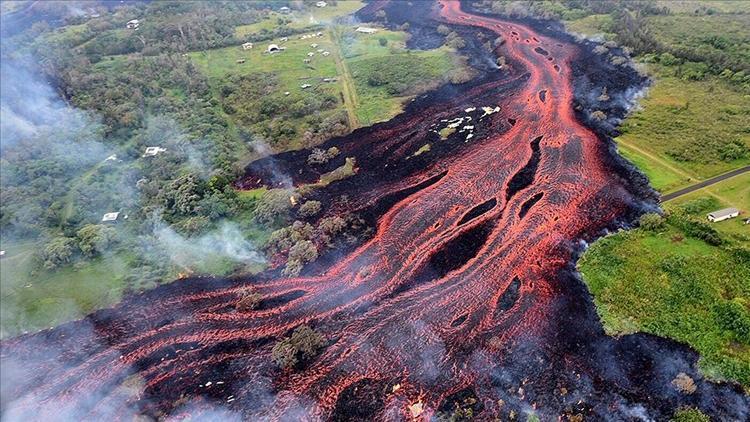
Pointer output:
x,y
704,183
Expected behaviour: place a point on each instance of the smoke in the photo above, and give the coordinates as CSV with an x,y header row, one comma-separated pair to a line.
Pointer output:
x,y
227,242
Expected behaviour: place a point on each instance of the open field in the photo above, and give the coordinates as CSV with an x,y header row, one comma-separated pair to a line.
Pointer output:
x,y
678,135
34,298
300,19
671,285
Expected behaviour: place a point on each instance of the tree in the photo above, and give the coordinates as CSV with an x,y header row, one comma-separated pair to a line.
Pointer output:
x,y
95,238
443,30
304,343
57,252
301,253
309,209
383,41
273,206
652,222
249,300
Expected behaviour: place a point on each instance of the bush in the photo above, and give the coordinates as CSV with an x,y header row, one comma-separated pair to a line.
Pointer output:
x,y
301,253
57,252
248,301
273,206
309,209
304,343
652,222
95,238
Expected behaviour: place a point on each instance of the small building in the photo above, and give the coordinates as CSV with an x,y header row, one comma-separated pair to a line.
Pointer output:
x,y
320,50
151,151
746,221
285,10
110,216
366,30
273,48
247,46
722,215
133,24
284,39
112,157
310,54
321,4
240,61
306,60
2,254
314,45
305,86
326,53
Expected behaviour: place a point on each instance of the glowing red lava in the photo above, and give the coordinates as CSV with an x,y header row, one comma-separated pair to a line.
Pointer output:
x,y
464,287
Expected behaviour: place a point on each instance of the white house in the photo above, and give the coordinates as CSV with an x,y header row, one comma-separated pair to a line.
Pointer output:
x,y
247,46
110,216
366,30
151,151
722,215
321,4
273,48
133,24
285,10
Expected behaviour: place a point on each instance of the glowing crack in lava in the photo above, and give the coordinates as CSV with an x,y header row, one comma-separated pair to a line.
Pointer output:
x,y
464,289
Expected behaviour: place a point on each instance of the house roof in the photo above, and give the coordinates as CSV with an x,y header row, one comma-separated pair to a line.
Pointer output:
x,y
723,213
110,216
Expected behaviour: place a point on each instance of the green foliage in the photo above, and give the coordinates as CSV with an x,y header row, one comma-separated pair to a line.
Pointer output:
x,y
674,283
95,238
303,344
690,415
651,222
58,251
402,74
273,207
309,209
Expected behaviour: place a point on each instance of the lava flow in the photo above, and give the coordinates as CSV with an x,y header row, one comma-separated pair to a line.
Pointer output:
x,y
465,289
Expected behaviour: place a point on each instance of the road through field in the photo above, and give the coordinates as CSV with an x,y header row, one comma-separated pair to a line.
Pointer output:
x,y
703,184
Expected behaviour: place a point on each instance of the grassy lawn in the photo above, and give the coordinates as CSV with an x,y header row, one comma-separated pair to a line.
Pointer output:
x,y
591,25
301,18
680,118
675,286
36,299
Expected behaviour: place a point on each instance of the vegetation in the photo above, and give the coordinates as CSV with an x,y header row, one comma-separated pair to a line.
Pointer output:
x,y
249,300
304,344
690,415
680,279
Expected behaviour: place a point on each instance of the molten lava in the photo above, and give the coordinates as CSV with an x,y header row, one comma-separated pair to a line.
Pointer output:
x,y
465,288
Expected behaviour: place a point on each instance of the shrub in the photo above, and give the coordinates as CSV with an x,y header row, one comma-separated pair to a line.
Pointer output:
x,y
95,238
249,300
57,252
273,206
301,253
652,222
304,343
319,156
309,209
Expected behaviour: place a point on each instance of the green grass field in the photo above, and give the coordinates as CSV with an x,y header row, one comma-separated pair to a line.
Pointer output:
x,y
677,115
33,299
675,286
301,18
